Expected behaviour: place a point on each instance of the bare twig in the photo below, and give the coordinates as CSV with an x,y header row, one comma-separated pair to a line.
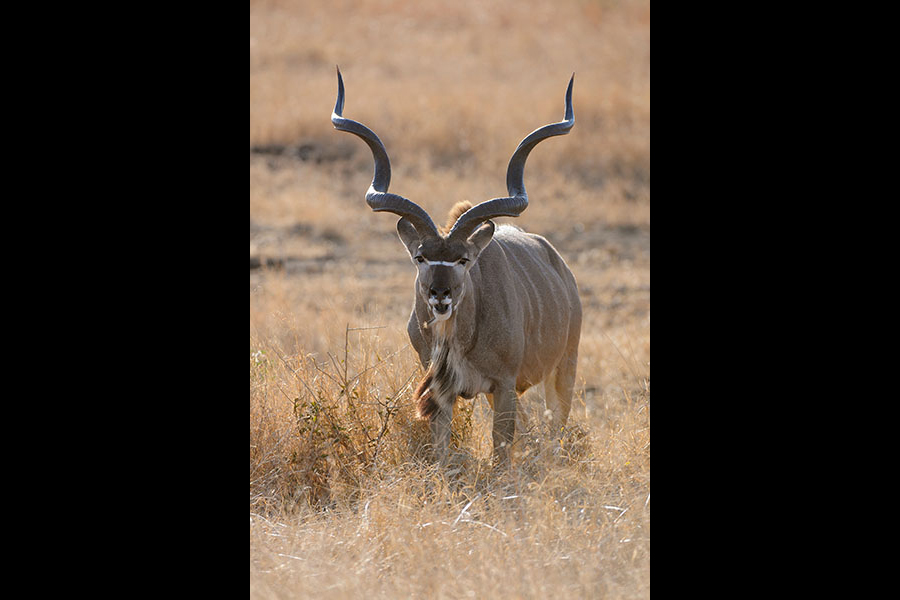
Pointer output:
x,y
390,410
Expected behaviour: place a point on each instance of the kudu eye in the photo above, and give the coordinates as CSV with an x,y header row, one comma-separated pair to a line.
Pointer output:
x,y
420,259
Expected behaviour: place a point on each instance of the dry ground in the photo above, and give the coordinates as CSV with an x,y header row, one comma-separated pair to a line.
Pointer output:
x,y
343,501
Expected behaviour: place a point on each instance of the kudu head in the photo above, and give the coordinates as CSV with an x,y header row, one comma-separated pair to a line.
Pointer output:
x,y
443,260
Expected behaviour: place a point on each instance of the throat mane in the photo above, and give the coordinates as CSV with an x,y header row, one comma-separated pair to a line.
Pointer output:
x,y
437,390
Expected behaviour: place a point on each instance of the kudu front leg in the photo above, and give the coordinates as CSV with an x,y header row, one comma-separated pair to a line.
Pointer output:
x,y
505,404
441,422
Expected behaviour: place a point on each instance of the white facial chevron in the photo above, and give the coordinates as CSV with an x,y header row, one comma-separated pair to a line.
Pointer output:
x,y
432,263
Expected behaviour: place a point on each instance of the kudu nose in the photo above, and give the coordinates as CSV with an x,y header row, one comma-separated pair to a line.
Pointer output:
x,y
440,299
440,293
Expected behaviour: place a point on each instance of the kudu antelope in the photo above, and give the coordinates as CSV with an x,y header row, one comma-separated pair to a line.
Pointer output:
x,y
496,309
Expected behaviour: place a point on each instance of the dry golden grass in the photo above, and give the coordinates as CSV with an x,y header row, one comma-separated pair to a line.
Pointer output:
x,y
343,501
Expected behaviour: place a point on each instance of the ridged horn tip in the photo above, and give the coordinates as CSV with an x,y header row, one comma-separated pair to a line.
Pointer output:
x,y
339,103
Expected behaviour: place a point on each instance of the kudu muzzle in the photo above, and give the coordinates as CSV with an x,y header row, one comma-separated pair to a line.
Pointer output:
x,y
440,293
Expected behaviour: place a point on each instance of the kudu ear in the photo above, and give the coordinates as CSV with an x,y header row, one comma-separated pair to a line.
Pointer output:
x,y
409,236
482,236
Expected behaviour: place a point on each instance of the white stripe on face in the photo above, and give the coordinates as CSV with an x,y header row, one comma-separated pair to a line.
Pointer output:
x,y
442,316
432,263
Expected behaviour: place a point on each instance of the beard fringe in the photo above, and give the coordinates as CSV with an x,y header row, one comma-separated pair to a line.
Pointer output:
x,y
426,404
